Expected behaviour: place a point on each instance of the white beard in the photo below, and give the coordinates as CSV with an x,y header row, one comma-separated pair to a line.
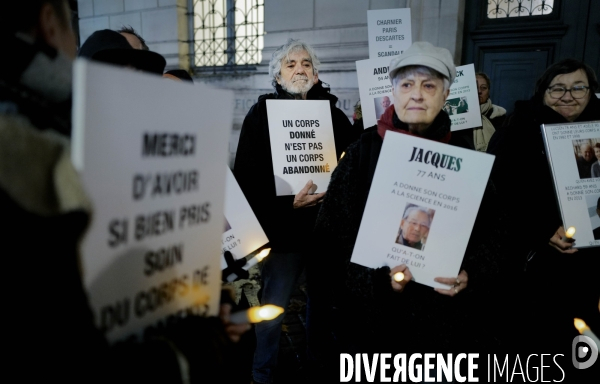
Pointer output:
x,y
299,85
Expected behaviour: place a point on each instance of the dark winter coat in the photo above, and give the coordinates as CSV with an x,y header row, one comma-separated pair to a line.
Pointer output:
x,y
287,229
367,314
556,287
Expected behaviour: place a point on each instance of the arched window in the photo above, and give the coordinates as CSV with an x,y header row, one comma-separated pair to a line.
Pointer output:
x,y
227,32
518,8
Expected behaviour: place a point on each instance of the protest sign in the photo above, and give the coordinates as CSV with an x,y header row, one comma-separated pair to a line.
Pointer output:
x,y
421,207
462,104
243,233
389,32
375,88
573,152
150,153
302,144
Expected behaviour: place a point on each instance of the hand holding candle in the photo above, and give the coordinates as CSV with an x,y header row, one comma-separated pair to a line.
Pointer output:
x,y
250,263
400,277
586,331
256,314
568,237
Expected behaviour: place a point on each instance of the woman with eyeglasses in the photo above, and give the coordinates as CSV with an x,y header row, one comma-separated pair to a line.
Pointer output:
x,y
561,282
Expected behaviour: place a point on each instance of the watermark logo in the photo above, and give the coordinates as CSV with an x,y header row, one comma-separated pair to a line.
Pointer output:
x,y
584,352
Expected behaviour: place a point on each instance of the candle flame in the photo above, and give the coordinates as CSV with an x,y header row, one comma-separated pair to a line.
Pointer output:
x,y
580,325
266,312
342,155
570,232
264,253
398,276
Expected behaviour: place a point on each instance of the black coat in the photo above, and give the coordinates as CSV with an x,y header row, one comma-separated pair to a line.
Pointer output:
x,y
367,314
556,287
288,229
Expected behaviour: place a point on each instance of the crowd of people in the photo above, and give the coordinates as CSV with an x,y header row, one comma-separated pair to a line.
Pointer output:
x,y
520,285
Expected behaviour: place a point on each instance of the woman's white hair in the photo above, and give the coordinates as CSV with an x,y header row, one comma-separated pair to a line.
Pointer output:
x,y
284,51
412,70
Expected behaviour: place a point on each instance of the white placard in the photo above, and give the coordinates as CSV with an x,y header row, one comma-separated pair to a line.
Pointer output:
x,y
375,88
462,103
150,152
449,194
243,233
389,32
302,144
577,192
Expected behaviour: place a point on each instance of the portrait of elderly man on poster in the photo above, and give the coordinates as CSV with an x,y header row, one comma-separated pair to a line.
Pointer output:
x,y
414,226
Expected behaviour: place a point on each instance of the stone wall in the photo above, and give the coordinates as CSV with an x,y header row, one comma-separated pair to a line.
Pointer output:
x,y
336,28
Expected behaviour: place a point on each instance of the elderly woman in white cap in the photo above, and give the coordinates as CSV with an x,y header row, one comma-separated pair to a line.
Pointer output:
x,y
376,311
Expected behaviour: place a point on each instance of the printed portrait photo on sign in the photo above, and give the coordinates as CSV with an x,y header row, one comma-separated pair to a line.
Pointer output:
x,y
593,206
414,226
587,157
456,106
381,104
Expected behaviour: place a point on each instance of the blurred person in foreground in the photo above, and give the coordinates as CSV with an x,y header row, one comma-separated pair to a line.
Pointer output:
x,y
52,334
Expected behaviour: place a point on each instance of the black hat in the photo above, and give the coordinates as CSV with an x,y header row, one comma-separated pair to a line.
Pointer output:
x,y
111,47
181,74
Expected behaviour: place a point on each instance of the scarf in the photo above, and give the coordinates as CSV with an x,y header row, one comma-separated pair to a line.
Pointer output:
x,y
482,135
439,130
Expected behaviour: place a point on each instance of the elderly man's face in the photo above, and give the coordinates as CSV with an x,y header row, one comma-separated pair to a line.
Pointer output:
x,y
297,73
385,102
415,227
588,153
418,99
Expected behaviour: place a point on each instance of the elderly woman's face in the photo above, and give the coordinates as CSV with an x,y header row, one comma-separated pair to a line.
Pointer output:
x,y
567,105
418,99
483,89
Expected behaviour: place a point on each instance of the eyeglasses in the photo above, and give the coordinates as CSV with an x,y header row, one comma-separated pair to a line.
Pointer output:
x,y
415,224
578,92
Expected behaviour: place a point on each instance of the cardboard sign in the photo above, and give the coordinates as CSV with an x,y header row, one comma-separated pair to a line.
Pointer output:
x,y
150,152
375,88
389,32
421,207
302,144
462,103
243,233
576,179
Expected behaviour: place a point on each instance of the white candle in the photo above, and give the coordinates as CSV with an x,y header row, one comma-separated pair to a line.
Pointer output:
x,y
250,263
398,277
569,234
256,314
586,331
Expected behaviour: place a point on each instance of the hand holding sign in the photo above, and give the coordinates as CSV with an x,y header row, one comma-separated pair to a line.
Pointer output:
x,y
457,283
305,197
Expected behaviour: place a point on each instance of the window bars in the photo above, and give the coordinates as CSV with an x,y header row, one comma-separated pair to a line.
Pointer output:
x,y
227,32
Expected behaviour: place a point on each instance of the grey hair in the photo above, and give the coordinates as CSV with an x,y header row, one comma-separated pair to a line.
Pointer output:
x,y
284,51
416,208
420,70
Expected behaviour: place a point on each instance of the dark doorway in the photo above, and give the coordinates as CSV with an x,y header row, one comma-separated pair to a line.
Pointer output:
x,y
515,51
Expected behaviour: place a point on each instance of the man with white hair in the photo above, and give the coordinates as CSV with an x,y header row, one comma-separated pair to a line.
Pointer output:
x,y
287,220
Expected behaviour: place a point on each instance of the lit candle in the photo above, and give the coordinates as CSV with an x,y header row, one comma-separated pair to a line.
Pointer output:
x,y
586,331
257,259
569,234
256,314
250,263
398,277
